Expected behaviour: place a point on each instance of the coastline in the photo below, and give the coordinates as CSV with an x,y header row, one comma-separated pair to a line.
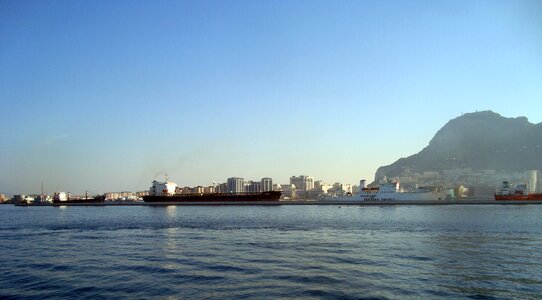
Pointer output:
x,y
300,202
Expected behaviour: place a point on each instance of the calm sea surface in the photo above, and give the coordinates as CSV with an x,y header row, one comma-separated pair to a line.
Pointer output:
x,y
479,252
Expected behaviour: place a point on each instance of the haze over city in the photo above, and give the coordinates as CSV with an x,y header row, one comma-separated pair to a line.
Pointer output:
x,y
105,96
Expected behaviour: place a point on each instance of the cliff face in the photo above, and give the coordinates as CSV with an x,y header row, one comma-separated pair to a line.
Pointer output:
x,y
480,140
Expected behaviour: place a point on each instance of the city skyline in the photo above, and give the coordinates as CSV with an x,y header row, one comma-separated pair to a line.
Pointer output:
x,y
106,96
306,187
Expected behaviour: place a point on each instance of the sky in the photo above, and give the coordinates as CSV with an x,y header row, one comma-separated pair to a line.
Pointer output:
x,y
109,95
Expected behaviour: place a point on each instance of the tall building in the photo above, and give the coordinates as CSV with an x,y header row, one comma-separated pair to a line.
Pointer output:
x,y
321,186
235,185
246,185
534,180
253,187
302,182
267,184
221,188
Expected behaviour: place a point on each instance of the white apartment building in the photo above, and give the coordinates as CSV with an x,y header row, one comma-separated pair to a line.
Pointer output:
x,y
303,182
267,184
235,185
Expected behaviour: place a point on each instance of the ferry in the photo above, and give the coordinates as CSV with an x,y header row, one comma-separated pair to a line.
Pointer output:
x,y
389,191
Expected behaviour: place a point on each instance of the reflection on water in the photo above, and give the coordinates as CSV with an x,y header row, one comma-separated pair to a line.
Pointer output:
x,y
171,211
282,251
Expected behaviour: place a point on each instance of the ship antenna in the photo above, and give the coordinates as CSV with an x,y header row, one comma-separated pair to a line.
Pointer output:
x,y
167,178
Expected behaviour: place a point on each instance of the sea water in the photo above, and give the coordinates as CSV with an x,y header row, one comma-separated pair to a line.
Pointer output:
x,y
313,252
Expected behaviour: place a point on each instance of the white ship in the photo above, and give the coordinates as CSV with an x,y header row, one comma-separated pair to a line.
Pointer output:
x,y
389,191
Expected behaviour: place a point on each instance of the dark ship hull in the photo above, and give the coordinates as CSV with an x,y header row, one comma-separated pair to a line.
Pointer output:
x,y
98,199
220,197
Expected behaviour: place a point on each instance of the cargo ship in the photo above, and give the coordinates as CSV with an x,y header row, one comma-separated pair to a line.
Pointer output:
x,y
390,191
520,193
165,192
62,198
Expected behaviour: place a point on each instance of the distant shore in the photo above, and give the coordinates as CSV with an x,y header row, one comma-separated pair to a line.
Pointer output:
x,y
300,202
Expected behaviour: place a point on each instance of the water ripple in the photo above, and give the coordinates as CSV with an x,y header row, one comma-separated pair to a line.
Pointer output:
x,y
271,252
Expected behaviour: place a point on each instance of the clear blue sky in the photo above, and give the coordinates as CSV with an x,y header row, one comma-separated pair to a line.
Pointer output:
x,y
104,95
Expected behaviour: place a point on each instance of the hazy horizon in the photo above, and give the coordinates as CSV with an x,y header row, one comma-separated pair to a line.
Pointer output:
x,y
105,96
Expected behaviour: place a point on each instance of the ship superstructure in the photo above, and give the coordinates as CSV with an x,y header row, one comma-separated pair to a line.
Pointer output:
x,y
519,192
390,191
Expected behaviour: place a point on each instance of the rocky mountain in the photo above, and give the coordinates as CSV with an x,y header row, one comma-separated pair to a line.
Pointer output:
x,y
476,142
